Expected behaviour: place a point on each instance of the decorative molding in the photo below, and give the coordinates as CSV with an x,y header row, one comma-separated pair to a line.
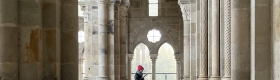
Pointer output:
x,y
184,1
227,38
185,8
130,57
123,13
84,8
178,57
153,47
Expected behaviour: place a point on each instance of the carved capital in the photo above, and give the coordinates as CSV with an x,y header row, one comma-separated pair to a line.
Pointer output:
x,y
125,2
185,8
84,8
123,12
130,57
153,57
178,57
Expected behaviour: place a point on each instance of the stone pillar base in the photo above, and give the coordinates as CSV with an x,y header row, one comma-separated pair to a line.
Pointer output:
x,y
215,78
103,78
226,78
187,78
124,78
202,78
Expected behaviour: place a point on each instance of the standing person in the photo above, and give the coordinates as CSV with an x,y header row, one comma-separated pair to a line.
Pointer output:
x,y
139,73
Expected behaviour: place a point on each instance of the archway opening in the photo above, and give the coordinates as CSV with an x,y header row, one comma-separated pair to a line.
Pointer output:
x,y
141,57
166,63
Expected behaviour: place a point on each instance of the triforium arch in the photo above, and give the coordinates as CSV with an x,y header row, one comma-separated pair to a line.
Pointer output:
x,y
138,45
141,37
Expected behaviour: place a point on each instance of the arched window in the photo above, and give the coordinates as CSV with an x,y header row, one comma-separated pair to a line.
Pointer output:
x,y
153,36
166,63
141,57
153,7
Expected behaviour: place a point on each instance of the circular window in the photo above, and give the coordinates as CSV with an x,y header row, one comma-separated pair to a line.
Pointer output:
x,y
153,36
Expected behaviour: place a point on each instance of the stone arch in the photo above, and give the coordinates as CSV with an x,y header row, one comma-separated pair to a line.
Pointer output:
x,y
141,37
171,44
134,47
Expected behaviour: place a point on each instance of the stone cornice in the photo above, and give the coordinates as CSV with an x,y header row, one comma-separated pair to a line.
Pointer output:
x,y
184,1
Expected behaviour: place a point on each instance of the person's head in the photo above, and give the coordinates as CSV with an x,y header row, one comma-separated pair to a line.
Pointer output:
x,y
140,68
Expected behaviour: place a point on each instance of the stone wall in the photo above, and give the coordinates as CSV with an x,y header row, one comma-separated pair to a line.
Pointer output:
x,y
38,40
169,23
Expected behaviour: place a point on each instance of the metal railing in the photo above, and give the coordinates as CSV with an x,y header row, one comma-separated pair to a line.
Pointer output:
x,y
165,75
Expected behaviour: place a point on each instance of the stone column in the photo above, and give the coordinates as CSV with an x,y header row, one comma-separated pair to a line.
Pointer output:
x,y
276,40
88,42
193,43
123,39
227,40
185,8
102,40
240,39
31,55
81,62
111,33
153,58
215,40
130,57
261,40
178,66
51,39
69,40
204,41
117,42
88,54
9,34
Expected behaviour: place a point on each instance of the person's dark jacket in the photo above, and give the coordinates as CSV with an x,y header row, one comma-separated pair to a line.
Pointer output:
x,y
138,76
